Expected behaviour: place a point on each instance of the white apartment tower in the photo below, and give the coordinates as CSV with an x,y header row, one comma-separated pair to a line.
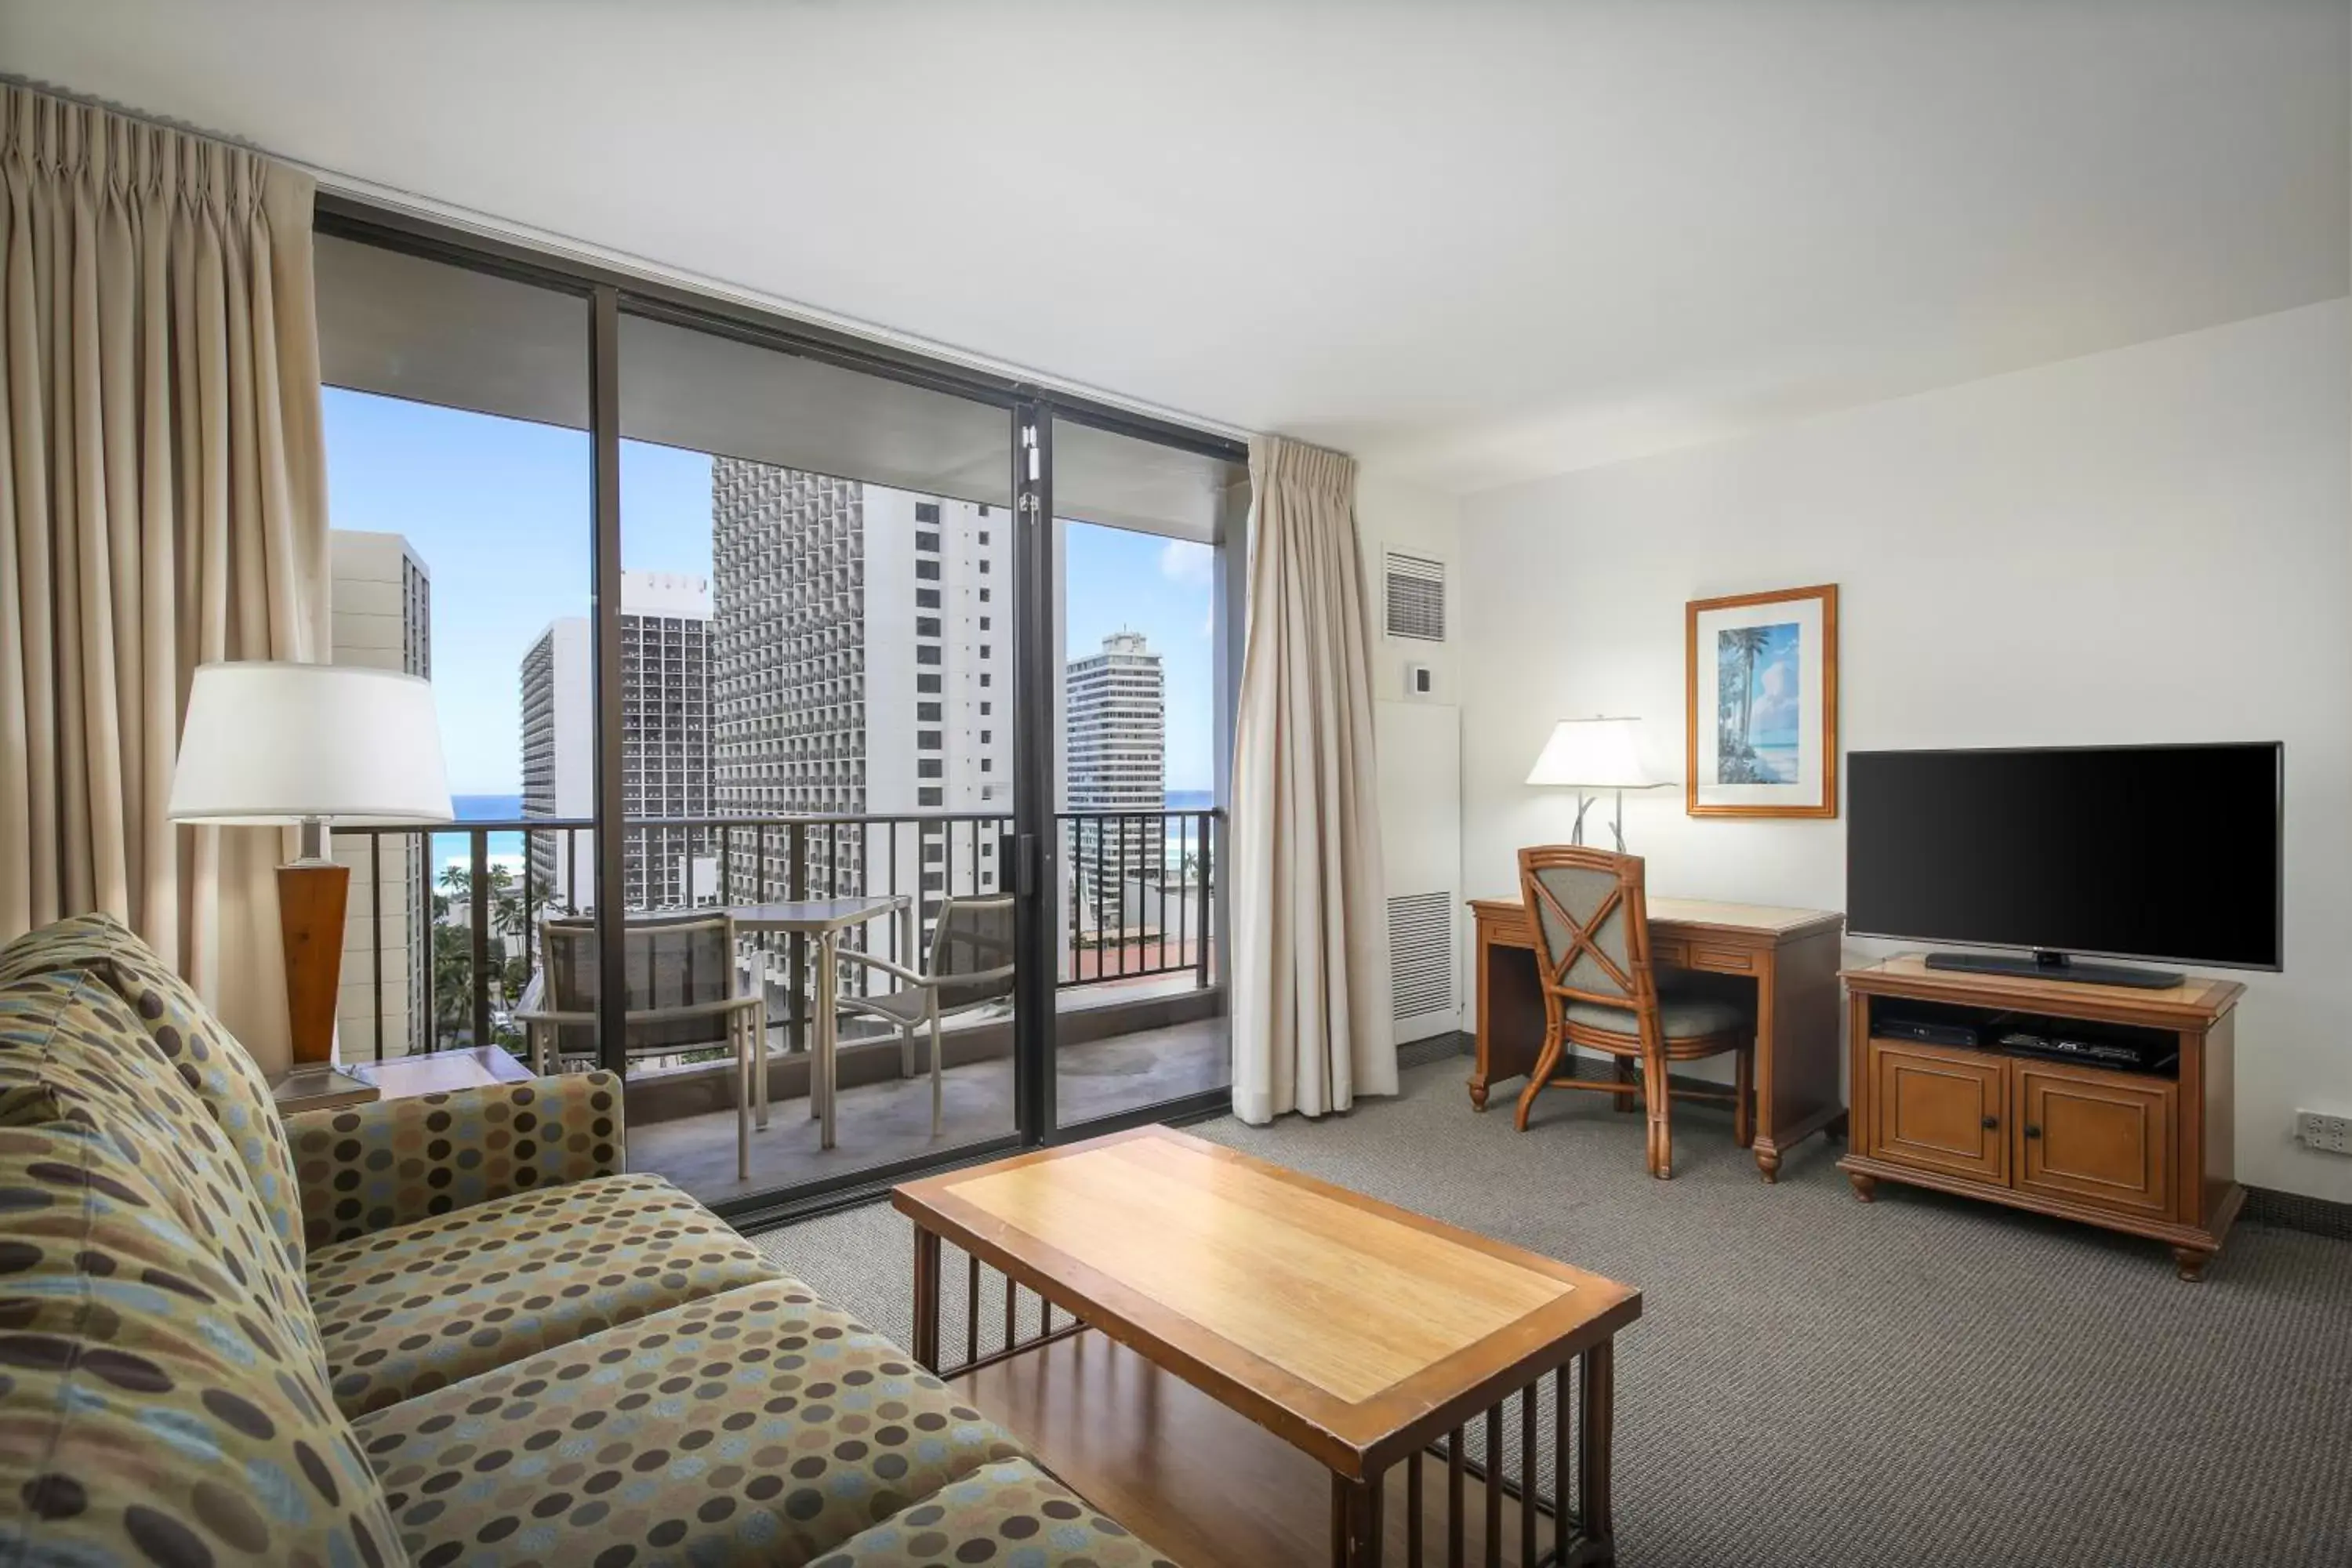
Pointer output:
x,y
665,758
1115,744
862,654
382,607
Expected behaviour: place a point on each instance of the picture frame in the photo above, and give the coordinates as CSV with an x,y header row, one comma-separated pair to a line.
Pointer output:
x,y
1760,690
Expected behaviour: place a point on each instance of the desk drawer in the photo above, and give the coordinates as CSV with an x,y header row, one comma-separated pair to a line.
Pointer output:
x,y
1722,960
1672,953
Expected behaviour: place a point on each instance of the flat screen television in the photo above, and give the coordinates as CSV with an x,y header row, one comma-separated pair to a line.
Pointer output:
x,y
2169,853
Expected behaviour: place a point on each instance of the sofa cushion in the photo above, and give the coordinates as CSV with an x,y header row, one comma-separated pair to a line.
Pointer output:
x,y
410,1310
71,1051
759,1427
366,1168
227,1079
1011,1514
149,1412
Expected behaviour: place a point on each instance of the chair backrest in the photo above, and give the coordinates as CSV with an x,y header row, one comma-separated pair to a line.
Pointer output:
x,y
671,961
1592,923
972,951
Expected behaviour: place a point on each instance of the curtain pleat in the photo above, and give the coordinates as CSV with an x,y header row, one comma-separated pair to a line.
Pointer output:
x,y
163,503
1312,1027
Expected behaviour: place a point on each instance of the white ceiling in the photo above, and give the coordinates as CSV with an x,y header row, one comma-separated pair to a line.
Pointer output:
x,y
1472,243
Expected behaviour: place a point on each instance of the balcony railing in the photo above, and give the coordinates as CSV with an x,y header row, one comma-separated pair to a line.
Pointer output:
x,y
1136,901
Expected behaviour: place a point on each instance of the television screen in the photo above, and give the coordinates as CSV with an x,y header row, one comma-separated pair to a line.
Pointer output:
x,y
2167,853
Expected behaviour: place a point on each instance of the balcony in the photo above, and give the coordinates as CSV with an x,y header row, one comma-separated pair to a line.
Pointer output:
x,y
1139,1001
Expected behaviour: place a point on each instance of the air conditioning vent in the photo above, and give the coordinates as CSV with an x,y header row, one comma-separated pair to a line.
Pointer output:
x,y
1421,952
1416,597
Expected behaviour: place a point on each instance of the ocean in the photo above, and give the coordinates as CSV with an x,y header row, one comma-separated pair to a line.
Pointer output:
x,y
451,849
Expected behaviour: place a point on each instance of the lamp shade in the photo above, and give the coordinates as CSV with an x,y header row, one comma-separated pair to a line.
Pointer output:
x,y
1593,753
279,742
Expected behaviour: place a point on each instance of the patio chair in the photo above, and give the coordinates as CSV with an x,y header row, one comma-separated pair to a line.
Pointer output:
x,y
681,996
969,965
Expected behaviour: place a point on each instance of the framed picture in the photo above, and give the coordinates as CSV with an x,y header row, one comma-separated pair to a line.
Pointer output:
x,y
1761,713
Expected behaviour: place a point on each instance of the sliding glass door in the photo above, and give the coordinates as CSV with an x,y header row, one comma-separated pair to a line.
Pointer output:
x,y
1145,631
817,713
843,731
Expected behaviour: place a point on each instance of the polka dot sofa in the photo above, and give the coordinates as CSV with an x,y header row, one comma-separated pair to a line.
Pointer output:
x,y
441,1330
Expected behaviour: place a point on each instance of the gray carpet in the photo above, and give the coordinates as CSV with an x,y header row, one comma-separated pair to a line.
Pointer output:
x,y
1920,1382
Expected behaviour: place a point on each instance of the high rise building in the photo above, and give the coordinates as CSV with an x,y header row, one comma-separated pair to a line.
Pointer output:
x,y
382,606
862,658
665,758
1115,746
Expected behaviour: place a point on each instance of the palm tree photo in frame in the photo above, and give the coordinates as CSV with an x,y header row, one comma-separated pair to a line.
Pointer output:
x,y
1760,718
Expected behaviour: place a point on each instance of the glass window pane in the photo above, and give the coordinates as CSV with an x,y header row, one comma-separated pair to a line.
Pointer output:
x,y
1139,553
461,549
1120,482
829,527
710,393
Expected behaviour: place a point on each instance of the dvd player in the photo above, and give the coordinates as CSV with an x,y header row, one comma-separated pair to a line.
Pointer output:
x,y
2120,1054
1933,1032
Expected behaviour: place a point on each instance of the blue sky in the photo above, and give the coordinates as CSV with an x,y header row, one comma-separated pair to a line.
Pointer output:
x,y
497,511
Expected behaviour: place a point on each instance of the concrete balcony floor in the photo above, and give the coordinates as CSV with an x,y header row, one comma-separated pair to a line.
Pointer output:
x,y
879,1123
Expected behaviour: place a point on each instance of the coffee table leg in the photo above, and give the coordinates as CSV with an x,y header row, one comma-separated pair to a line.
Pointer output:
x,y
1596,1411
1356,1522
927,1299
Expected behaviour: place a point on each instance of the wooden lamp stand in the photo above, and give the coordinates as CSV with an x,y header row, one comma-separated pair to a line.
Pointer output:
x,y
312,893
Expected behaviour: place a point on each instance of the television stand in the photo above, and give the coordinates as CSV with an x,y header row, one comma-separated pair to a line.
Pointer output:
x,y
2145,1151
2047,965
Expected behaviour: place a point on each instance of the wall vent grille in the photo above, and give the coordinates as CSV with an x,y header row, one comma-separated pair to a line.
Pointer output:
x,y
1415,599
1421,952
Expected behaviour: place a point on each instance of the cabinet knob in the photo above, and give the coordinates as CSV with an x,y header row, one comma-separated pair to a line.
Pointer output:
x,y
2033,1130
1990,1122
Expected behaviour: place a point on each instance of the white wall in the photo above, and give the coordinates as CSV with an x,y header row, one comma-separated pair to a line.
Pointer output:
x,y
2150,544
1392,514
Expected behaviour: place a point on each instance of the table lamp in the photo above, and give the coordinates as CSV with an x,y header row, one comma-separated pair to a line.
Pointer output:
x,y
1586,754
309,745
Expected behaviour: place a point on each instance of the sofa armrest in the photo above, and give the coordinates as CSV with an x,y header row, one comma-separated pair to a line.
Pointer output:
x,y
367,1168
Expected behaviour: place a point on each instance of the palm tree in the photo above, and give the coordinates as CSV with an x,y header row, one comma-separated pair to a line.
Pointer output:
x,y
504,920
1749,644
453,970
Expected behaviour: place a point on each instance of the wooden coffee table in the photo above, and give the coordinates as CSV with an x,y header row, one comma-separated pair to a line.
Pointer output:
x,y
1261,1364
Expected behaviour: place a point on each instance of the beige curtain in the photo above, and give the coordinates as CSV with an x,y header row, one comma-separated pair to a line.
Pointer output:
x,y
1311,1022
163,503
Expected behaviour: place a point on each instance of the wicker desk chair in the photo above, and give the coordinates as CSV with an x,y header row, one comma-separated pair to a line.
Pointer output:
x,y
681,997
971,965
1591,928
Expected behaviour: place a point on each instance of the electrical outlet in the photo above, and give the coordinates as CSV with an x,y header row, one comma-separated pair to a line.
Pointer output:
x,y
2329,1135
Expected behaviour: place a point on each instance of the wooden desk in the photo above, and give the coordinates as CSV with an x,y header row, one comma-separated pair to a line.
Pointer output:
x,y
1790,955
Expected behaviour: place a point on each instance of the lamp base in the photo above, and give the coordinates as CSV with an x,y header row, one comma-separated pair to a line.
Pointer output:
x,y
311,896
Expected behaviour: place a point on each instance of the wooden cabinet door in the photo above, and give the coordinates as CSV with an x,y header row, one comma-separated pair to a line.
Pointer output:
x,y
1940,1110
2094,1137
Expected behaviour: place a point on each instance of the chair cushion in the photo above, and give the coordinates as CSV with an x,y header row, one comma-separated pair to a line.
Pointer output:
x,y
220,1070
413,1309
759,1427
73,1053
1022,1516
1682,1017
152,1413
